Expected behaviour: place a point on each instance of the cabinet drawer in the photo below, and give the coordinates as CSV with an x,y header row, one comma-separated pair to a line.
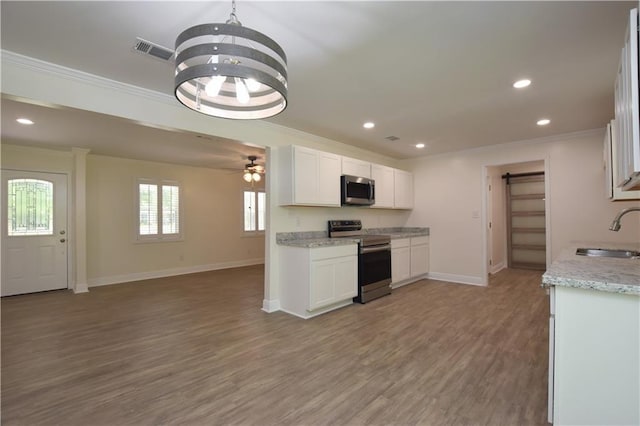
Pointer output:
x,y
403,242
418,241
333,251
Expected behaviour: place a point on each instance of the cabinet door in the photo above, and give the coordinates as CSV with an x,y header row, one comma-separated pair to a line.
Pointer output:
x,y
328,178
383,177
400,264
403,189
346,282
353,167
419,260
305,176
627,113
333,280
316,177
611,166
322,289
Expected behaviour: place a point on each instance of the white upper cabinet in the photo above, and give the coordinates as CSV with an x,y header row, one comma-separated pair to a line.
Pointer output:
x,y
353,167
383,177
611,167
627,112
403,189
309,177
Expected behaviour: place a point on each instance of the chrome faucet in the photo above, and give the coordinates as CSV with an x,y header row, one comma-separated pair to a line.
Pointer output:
x,y
615,225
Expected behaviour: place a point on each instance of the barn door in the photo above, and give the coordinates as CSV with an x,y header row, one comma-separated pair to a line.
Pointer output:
x,y
34,232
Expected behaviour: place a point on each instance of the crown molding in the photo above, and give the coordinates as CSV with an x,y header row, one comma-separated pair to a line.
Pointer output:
x,y
28,63
524,142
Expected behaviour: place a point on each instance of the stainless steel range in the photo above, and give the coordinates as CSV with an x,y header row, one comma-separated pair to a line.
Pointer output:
x,y
374,259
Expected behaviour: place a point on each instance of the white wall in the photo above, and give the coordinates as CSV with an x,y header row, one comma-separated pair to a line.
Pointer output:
x,y
212,209
579,209
49,84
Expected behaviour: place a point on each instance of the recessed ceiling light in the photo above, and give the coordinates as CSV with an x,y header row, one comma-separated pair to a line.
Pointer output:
x,y
24,121
521,83
420,145
543,122
369,125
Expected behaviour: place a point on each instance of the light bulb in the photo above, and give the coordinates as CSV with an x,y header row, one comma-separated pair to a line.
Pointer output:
x,y
214,85
252,85
256,177
242,94
247,176
520,84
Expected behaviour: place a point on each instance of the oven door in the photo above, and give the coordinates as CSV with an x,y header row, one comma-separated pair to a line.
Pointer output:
x,y
374,267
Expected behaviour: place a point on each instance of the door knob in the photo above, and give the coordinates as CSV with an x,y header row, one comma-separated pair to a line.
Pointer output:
x,y
62,240
62,232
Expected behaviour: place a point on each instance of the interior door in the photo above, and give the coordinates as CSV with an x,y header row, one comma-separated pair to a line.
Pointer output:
x,y
34,232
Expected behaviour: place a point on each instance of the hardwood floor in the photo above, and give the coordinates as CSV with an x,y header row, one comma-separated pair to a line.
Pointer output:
x,y
197,350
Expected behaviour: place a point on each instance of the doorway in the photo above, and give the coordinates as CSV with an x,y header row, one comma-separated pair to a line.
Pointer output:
x,y
526,220
516,228
34,232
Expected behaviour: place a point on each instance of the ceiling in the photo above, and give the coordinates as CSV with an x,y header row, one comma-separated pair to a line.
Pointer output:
x,y
438,73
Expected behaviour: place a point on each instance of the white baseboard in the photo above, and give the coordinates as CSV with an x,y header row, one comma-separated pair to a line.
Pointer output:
x,y
306,315
270,306
461,279
408,281
137,276
497,268
81,288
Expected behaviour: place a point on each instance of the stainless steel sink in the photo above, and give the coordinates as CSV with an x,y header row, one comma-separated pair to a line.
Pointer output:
x,y
599,252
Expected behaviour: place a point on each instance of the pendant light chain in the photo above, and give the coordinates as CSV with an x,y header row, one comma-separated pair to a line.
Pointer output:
x,y
233,19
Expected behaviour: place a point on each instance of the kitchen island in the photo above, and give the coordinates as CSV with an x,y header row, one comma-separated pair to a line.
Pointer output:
x,y
594,339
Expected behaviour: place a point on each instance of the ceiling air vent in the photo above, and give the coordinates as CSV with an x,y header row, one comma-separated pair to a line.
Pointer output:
x,y
392,138
152,49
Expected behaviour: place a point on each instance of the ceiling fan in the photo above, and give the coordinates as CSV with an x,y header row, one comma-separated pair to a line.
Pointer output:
x,y
253,172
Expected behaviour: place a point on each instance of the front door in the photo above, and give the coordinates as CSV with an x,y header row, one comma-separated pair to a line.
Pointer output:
x,y
34,232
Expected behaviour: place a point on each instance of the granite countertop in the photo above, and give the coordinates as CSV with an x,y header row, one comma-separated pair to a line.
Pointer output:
x,y
595,273
320,239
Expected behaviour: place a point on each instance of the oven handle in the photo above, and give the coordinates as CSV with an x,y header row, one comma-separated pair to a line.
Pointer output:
x,y
365,250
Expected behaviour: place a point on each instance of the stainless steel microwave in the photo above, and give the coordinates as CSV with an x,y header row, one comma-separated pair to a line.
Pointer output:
x,y
357,191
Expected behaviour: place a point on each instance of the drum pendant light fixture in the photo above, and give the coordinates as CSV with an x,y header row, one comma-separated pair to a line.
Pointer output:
x,y
230,71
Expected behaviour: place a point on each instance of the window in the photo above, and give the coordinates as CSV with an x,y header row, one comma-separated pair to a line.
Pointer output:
x,y
158,208
29,207
255,204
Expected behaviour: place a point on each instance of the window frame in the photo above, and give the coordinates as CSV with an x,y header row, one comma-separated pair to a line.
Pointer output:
x,y
256,191
159,236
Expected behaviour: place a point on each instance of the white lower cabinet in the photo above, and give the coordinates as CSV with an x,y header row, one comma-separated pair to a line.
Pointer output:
x,y
409,260
595,357
318,280
400,260
419,256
